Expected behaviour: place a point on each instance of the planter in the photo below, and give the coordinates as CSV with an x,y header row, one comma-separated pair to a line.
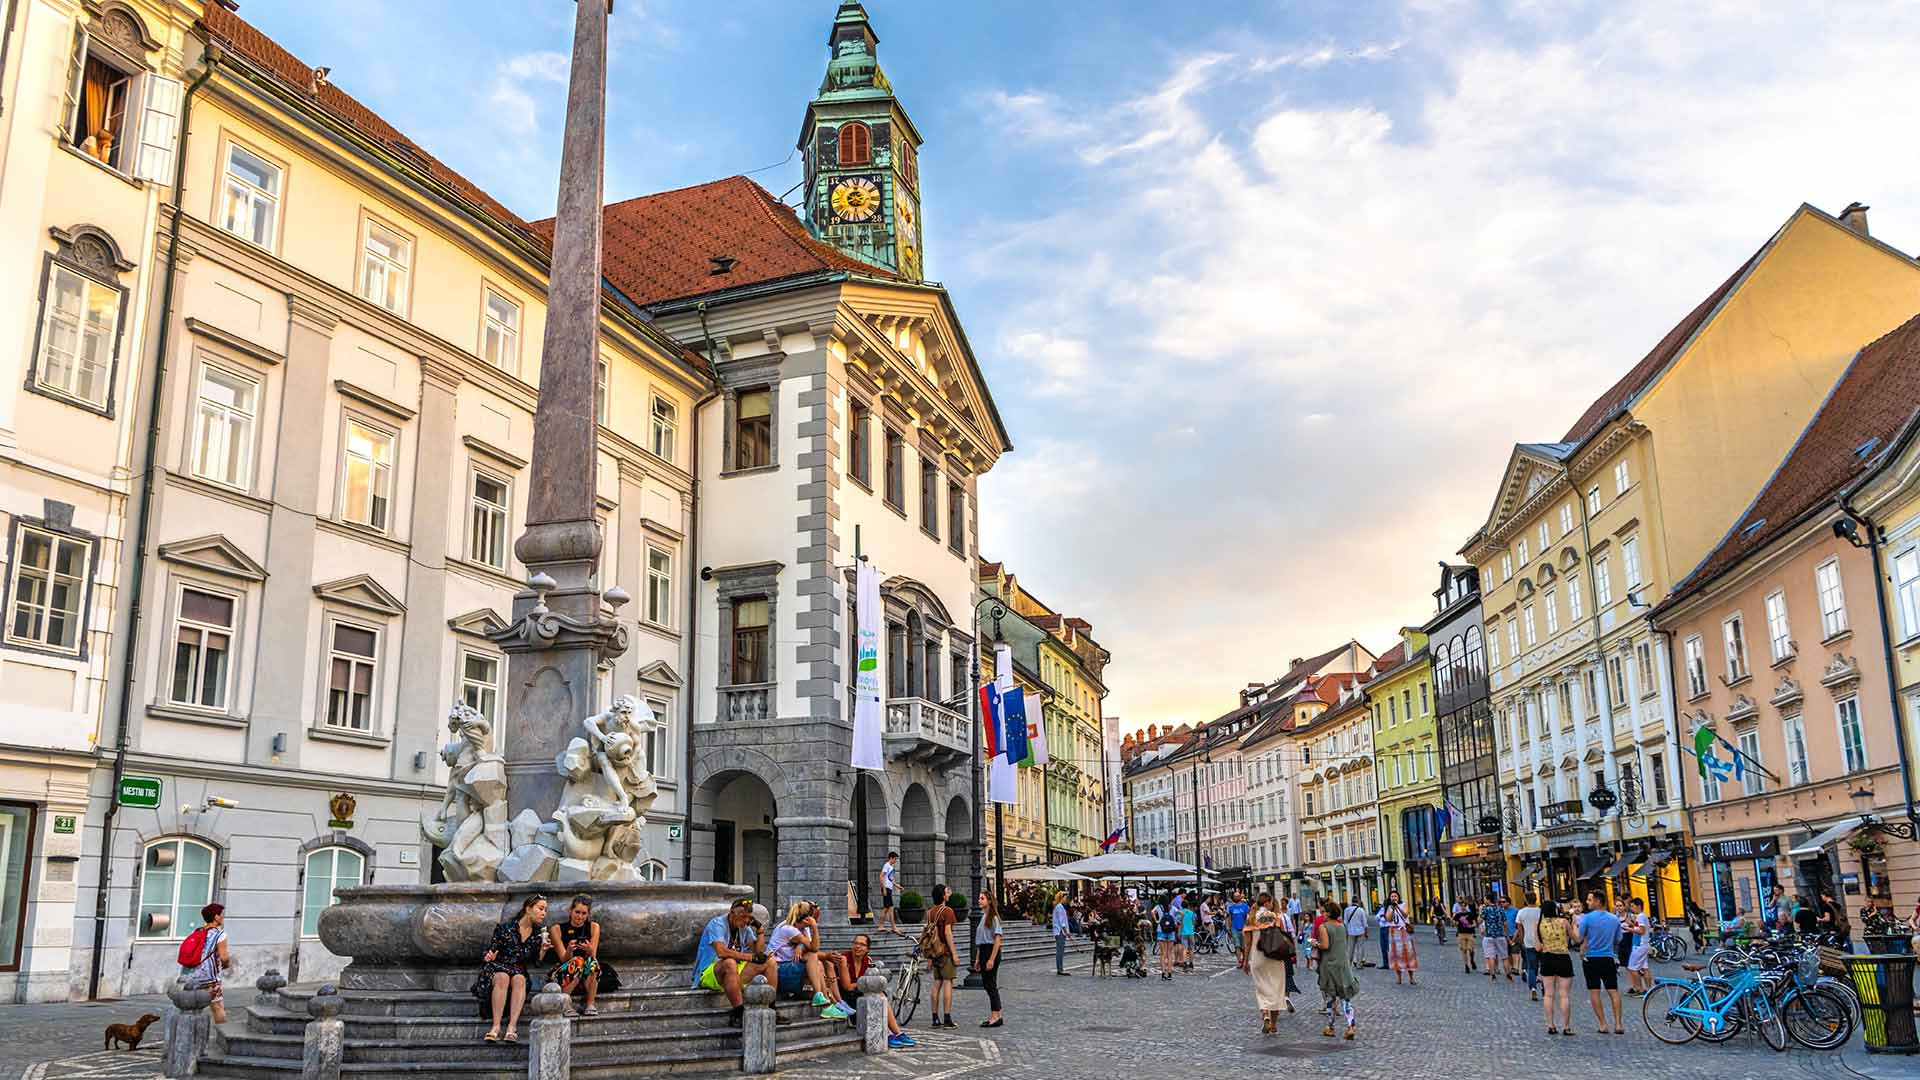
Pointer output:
x,y
912,916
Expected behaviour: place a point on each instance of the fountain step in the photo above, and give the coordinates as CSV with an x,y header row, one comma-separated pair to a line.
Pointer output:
x,y
462,1005
694,1015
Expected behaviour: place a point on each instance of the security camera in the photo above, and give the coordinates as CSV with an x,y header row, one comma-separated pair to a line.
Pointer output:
x,y
224,804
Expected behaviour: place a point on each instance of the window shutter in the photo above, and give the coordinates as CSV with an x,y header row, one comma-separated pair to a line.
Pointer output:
x,y
159,129
76,70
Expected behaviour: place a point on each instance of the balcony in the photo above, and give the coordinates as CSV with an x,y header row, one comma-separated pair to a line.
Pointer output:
x,y
1564,825
925,731
746,703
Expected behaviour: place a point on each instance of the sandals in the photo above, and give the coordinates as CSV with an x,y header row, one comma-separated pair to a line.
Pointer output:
x,y
1567,1031
491,1036
1551,1030
512,1036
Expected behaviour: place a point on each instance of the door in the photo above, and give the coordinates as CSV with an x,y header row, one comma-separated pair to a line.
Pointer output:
x,y
723,856
758,864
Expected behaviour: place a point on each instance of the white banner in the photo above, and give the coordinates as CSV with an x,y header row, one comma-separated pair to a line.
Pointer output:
x,y
1037,729
868,749
1003,777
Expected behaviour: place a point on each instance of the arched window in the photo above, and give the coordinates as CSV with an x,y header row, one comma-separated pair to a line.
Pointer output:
x,y
856,144
176,881
1476,660
653,870
328,869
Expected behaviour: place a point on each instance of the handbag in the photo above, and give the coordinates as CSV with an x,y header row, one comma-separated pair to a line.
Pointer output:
x,y
1275,943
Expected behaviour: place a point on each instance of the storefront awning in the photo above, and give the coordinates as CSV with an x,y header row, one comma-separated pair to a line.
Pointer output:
x,y
1653,864
1590,863
1830,836
1619,866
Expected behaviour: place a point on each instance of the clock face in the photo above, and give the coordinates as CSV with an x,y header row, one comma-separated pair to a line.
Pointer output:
x,y
855,199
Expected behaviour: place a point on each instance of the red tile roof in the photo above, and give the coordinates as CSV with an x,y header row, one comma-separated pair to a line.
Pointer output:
x,y
989,570
241,37
1642,374
661,247
1873,401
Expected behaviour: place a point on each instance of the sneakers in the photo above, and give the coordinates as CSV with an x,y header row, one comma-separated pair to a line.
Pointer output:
x,y
900,1042
820,1000
734,1014
835,1011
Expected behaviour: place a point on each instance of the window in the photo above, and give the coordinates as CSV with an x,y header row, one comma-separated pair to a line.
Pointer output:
x,y
1593,501
896,493
1696,654
1630,562
1546,538
1506,568
367,483
351,658
1779,634
1657,764
1393,712
1493,652
1574,610
666,428
855,144
1853,746
1520,551
1533,636
328,869
250,201
860,445
1734,635
176,881
202,649
1753,781
957,517
79,331
1833,601
1406,710
749,640
1513,637
659,587
480,684
1553,611
51,573
1425,703
1621,480
1602,585
1567,713
223,427
1709,786
1533,807
753,429
602,376
1906,591
1616,682
500,332
929,495
385,256
487,537
1566,519
660,739
1794,728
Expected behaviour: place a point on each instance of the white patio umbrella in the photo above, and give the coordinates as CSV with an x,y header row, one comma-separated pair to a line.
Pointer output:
x,y
1043,873
1124,864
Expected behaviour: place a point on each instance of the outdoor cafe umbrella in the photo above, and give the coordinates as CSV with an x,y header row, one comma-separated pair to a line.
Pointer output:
x,y
1126,864
1043,873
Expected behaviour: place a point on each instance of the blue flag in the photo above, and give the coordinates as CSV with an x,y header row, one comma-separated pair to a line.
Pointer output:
x,y
1013,704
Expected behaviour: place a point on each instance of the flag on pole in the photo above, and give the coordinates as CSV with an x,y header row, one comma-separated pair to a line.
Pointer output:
x,y
1703,739
1003,782
1014,702
1440,820
1112,839
989,695
868,751
1037,734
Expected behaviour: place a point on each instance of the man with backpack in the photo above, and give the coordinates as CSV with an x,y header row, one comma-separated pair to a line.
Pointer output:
x,y
203,957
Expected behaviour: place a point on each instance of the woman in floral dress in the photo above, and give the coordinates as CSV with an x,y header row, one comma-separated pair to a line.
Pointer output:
x,y
1400,952
502,983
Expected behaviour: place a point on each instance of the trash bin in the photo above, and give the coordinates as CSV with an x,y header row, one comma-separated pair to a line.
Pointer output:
x,y
1884,982
1888,943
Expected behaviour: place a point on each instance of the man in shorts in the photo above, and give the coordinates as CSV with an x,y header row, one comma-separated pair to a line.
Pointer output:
x,y
1639,930
1493,938
732,952
1466,926
889,893
1597,933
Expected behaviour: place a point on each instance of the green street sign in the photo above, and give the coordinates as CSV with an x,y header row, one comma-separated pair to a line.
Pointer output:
x,y
139,792
65,823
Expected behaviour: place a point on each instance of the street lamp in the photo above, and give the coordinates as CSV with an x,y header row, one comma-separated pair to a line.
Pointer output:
x,y
1862,797
980,797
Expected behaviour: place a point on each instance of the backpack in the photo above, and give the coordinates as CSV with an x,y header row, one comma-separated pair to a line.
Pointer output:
x,y
1275,943
933,944
1169,923
194,949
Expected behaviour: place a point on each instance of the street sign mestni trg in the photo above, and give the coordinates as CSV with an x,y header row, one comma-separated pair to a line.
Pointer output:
x,y
140,792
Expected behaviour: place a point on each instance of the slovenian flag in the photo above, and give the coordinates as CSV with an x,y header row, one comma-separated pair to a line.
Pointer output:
x,y
991,718
1014,704
1112,839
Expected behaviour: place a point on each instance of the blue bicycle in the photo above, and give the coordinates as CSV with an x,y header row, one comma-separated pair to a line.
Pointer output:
x,y
1713,1008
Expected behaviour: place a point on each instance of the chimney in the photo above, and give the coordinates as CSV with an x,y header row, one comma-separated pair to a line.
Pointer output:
x,y
1855,217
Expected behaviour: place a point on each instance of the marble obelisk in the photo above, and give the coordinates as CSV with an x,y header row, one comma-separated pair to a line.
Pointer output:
x,y
563,625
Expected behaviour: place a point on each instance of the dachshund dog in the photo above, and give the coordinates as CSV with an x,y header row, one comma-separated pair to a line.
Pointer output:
x,y
131,1034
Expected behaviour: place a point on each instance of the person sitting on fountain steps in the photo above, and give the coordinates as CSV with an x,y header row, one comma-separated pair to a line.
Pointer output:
x,y
795,946
732,952
502,982
577,942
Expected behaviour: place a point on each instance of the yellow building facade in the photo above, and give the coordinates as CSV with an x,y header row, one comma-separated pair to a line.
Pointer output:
x,y
1407,771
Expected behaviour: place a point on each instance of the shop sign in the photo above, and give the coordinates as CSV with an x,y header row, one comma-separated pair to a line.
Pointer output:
x,y
1762,847
139,792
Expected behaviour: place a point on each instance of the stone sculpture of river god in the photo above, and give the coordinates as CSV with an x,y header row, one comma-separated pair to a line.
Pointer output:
x,y
470,827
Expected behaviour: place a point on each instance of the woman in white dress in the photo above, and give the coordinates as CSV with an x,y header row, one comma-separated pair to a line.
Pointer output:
x,y
1269,973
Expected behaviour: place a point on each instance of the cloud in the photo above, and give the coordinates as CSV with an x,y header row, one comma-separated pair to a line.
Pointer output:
x,y
511,93
1063,364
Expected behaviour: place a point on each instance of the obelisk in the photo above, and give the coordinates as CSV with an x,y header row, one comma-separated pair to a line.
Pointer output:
x,y
563,625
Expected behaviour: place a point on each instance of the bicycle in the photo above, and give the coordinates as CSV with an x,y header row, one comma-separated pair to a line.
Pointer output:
x,y
1678,1011
903,987
1818,1012
1666,945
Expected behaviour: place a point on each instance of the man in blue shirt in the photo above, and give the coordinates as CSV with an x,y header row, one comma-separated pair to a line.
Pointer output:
x,y
1597,933
1060,934
1511,914
1237,918
732,952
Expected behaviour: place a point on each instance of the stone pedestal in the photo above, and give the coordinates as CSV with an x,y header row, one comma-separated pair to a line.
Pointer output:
x,y
757,1049
269,987
549,1036
188,1028
326,1037
871,1011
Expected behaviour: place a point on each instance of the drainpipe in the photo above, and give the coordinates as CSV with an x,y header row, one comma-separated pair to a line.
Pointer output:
x,y
142,521
1876,539
693,618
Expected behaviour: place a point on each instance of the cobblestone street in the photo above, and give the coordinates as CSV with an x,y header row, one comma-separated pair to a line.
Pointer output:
x,y
1202,1023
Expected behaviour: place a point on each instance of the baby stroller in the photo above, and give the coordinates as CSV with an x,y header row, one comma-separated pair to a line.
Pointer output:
x,y
1133,962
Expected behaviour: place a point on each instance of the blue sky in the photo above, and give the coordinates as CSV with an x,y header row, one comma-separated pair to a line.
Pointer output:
x,y
1266,291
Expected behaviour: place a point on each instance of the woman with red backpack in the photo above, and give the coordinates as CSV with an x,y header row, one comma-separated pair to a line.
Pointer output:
x,y
203,957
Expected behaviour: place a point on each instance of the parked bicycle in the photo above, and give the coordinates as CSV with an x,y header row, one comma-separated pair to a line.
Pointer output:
x,y
1817,1012
1882,922
1705,1007
903,986
1666,945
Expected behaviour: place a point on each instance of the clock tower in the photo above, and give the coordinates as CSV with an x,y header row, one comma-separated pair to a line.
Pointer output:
x,y
862,155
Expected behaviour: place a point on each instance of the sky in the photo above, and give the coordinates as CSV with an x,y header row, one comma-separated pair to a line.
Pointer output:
x,y
1265,292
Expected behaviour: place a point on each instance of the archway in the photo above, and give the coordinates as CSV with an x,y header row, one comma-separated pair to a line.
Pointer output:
x,y
880,839
959,844
918,870
743,846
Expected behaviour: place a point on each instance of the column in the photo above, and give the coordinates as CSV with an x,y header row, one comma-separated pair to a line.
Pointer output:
x,y
286,598
423,700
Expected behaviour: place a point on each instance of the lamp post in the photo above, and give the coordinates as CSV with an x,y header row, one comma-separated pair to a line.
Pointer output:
x,y
980,798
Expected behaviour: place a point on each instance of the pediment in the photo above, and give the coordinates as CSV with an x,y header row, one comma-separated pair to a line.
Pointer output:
x,y
660,673
216,555
949,369
480,623
360,591
1530,469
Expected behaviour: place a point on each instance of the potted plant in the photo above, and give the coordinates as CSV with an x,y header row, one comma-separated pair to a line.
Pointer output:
x,y
913,907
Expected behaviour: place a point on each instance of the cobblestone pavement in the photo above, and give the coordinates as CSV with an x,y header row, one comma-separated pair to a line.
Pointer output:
x,y
1204,1023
